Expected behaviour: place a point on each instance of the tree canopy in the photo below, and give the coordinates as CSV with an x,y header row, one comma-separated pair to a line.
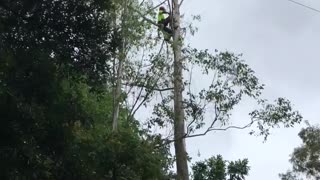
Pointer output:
x,y
55,103
216,168
305,159
74,73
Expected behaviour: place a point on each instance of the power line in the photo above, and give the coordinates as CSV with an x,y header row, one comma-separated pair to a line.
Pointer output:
x,y
303,5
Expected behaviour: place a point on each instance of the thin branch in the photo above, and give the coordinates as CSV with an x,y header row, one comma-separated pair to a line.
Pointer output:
x,y
146,97
223,129
145,18
161,95
153,88
142,2
213,122
303,5
217,113
170,8
132,111
231,127
181,3
190,79
139,68
188,127
212,129
136,101
130,89
141,103
154,7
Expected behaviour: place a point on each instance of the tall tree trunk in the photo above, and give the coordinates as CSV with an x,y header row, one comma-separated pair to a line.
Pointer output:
x,y
179,124
122,57
116,96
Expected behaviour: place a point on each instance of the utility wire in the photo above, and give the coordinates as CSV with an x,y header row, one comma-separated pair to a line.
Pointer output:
x,y
303,5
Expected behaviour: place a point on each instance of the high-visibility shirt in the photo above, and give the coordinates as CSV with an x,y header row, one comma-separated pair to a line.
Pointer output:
x,y
161,16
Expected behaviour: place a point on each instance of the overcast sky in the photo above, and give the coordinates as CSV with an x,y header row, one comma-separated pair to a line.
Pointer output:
x,y
280,41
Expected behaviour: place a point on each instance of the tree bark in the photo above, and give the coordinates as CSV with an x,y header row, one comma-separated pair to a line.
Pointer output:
x,y
179,124
116,97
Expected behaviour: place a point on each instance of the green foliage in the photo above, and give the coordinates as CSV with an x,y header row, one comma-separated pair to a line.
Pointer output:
x,y
55,106
232,81
44,46
123,155
273,115
215,168
74,34
289,175
237,170
305,159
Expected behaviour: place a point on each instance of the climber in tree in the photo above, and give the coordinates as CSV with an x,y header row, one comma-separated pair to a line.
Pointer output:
x,y
163,23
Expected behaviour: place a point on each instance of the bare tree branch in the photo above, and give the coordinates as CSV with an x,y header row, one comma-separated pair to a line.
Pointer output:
x,y
181,3
232,127
222,129
146,96
144,99
211,125
142,2
133,109
209,130
136,101
153,88
139,68
141,103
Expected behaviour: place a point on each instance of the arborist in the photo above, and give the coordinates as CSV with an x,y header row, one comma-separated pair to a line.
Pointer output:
x,y
163,23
